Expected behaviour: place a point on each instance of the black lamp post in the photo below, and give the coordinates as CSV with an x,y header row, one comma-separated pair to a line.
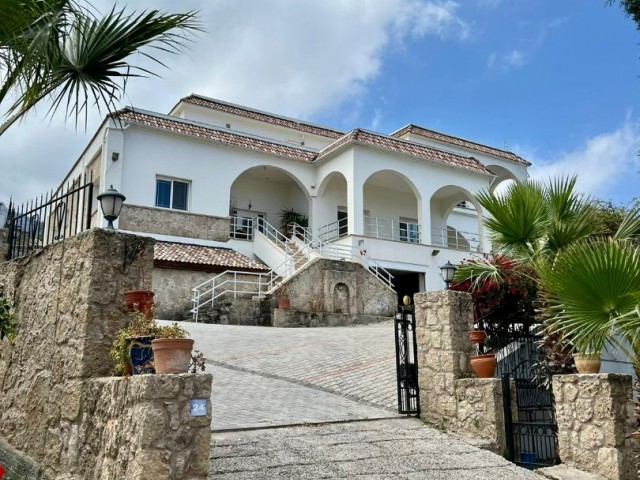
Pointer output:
x,y
448,270
111,202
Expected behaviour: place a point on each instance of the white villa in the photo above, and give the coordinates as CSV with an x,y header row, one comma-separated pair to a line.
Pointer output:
x,y
216,177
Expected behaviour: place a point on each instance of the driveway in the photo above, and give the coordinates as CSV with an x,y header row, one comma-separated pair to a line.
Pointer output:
x,y
315,403
281,376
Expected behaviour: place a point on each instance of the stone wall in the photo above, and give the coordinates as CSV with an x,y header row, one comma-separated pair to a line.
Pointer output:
x,y
340,287
595,418
136,428
173,222
173,291
447,395
69,306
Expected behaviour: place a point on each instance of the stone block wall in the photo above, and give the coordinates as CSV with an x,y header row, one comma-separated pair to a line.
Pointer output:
x,y
595,418
447,395
335,286
69,306
173,288
163,221
136,428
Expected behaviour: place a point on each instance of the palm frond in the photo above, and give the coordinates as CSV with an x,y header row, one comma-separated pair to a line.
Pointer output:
x,y
630,226
589,283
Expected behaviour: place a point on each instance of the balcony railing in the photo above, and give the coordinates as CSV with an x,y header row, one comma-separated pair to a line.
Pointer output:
x,y
454,239
388,229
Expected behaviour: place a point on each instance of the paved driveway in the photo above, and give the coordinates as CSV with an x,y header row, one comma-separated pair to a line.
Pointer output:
x,y
289,378
280,376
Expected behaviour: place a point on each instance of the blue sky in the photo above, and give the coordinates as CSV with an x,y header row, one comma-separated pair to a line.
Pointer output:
x,y
556,81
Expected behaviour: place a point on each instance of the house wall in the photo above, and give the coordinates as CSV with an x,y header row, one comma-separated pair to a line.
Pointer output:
x,y
254,127
268,197
210,168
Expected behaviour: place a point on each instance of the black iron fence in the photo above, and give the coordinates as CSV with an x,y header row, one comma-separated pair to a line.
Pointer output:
x,y
50,218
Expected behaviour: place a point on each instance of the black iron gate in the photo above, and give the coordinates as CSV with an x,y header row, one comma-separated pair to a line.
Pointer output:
x,y
407,362
530,426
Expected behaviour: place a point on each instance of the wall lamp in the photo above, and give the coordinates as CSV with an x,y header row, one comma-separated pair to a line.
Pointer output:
x,y
111,202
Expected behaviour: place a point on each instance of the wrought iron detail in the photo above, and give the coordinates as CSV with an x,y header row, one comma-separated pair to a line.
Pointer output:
x,y
530,425
50,218
407,362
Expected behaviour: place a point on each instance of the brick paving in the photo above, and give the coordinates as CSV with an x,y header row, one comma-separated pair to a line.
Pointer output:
x,y
274,376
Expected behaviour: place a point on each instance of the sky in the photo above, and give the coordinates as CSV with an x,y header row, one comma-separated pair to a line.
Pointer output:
x,y
556,82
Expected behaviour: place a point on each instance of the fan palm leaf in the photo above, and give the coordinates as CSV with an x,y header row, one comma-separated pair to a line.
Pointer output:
x,y
590,283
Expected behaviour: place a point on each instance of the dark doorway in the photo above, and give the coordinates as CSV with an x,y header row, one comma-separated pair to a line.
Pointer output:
x,y
405,283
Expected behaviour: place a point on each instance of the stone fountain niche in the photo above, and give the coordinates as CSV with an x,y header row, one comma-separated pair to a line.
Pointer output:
x,y
341,299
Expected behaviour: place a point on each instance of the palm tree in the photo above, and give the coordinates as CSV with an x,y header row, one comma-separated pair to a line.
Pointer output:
x,y
60,50
531,223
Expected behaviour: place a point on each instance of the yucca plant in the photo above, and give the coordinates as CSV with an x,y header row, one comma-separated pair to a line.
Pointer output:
x,y
63,50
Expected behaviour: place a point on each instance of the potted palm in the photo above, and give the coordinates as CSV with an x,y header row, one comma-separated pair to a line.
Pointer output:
x,y
289,216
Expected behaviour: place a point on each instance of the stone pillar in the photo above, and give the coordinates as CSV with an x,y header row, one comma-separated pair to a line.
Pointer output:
x,y
595,417
443,319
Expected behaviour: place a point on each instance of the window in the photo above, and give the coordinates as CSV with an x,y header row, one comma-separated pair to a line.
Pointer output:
x,y
172,194
409,230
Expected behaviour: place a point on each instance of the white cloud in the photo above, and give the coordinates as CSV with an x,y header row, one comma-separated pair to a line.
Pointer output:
x,y
293,58
606,164
511,60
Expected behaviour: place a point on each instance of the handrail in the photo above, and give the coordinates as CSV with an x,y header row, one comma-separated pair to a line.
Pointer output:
x,y
342,252
334,230
451,238
391,229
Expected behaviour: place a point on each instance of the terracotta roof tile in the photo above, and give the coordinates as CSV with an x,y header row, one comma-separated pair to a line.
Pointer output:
x,y
442,137
363,137
263,116
210,133
205,256
406,147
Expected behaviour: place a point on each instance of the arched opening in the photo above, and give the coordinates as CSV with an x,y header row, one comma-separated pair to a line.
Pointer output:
x,y
504,178
266,193
391,204
341,299
332,207
456,219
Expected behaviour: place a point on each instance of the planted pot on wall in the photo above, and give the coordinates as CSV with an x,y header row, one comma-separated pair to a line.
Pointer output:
x,y
141,355
587,362
172,355
484,366
140,300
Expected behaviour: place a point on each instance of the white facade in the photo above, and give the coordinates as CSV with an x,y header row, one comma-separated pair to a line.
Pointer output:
x,y
399,197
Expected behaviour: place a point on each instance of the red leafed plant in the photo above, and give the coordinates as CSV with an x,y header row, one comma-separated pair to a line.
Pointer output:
x,y
502,300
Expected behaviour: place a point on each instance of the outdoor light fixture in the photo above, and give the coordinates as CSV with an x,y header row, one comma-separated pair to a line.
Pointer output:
x,y
115,156
448,270
435,252
111,202
249,204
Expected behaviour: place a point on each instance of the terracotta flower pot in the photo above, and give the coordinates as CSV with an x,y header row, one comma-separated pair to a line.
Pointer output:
x,y
172,355
484,366
284,303
477,336
140,300
587,362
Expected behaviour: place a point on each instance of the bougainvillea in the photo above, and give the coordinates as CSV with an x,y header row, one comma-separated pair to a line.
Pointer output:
x,y
504,306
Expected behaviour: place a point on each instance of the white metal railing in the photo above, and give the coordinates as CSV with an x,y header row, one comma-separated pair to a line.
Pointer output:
x,y
454,239
389,229
383,228
334,230
248,284
227,282
336,251
241,228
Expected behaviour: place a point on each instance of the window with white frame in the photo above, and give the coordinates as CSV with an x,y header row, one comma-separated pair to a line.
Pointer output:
x,y
171,193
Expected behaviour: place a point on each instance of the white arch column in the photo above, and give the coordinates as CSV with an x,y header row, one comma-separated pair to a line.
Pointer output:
x,y
355,206
424,218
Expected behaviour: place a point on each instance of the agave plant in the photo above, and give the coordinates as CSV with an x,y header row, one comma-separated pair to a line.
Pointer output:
x,y
62,50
